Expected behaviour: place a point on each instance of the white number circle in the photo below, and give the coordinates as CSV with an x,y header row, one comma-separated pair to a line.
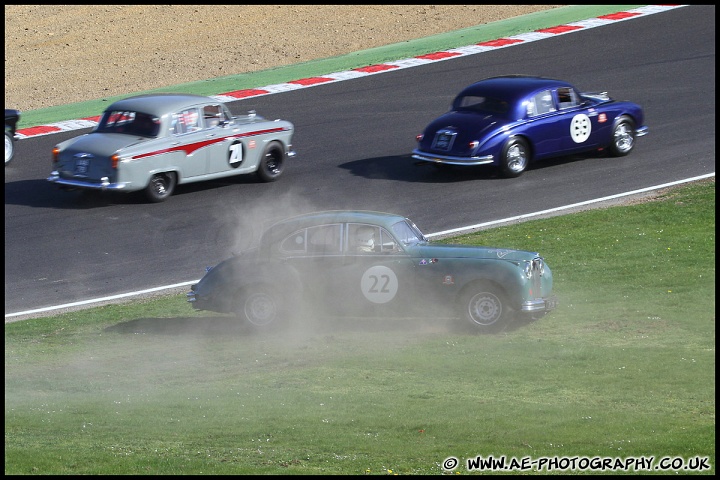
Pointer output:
x,y
235,154
580,128
379,284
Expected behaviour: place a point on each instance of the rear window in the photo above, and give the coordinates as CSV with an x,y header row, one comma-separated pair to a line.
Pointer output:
x,y
476,103
130,123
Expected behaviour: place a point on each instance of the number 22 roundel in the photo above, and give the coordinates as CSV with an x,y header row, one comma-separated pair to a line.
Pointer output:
x,y
235,154
379,284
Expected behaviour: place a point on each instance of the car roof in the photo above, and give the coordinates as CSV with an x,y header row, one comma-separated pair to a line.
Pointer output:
x,y
289,225
512,87
159,104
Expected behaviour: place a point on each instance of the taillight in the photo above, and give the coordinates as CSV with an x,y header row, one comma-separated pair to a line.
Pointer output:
x,y
55,155
114,160
419,137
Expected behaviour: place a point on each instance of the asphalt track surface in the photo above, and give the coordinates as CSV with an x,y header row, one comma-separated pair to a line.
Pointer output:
x,y
353,140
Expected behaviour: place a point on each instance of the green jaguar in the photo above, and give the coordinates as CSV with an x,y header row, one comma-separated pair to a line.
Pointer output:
x,y
373,264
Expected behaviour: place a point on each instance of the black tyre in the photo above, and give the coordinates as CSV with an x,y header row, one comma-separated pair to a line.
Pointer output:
x,y
161,186
623,137
261,307
485,308
272,163
515,157
9,148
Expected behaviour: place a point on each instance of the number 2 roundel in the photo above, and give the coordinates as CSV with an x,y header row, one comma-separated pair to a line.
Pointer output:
x,y
235,154
580,128
379,284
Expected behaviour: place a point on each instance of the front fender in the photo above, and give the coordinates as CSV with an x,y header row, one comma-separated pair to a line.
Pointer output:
x,y
506,275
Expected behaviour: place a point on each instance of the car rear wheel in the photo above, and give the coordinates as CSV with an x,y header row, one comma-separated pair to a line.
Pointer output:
x,y
9,148
485,308
272,162
515,157
161,186
260,306
623,138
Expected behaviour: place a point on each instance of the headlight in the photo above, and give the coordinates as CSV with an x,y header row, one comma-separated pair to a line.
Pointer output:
x,y
539,265
536,265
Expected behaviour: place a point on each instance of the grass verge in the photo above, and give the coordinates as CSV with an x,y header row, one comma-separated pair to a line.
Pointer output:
x,y
625,367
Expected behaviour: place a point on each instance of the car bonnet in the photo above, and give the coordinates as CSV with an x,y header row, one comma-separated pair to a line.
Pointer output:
x,y
469,251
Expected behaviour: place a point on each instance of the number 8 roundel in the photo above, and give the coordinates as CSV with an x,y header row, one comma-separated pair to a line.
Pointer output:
x,y
580,128
379,284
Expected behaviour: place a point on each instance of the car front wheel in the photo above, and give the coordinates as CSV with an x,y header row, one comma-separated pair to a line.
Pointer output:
x,y
9,148
272,162
485,308
515,157
623,137
161,186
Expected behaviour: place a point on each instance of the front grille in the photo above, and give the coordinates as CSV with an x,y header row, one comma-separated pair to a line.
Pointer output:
x,y
538,269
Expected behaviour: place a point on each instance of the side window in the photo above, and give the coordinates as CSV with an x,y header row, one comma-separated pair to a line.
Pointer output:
x,y
387,242
294,243
566,98
186,121
212,115
541,103
325,239
363,239
405,233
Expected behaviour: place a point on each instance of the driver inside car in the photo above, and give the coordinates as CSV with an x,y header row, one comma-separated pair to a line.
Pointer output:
x,y
365,240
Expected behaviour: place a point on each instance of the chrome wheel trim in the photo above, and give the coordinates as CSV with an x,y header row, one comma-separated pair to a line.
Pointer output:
x,y
9,148
623,137
485,308
160,183
272,165
517,158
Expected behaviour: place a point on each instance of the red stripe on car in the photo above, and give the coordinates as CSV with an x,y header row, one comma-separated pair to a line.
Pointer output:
x,y
191,148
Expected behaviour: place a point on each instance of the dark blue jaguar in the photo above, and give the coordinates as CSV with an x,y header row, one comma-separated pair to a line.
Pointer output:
x,y
510,121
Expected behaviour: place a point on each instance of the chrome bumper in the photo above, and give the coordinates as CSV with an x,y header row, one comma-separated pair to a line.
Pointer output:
x,y
451,160
103,185
641,132
540,304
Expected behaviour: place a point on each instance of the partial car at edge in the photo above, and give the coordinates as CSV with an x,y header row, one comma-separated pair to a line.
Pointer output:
x,y
373,264
12,117
511,121
157,141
